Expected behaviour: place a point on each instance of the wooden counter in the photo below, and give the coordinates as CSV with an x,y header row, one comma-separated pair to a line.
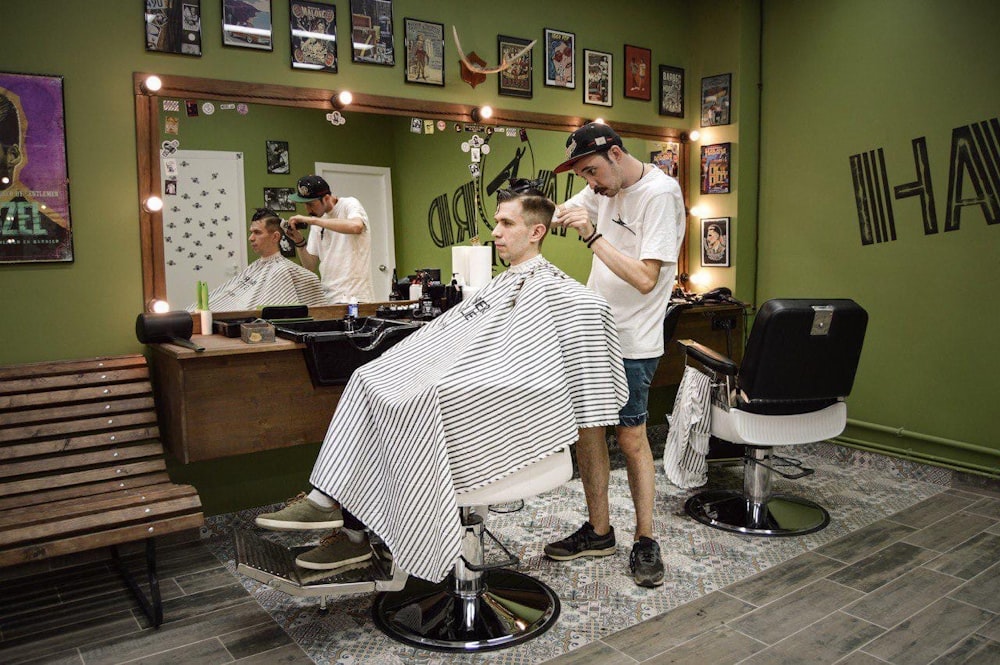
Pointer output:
x,y
235,398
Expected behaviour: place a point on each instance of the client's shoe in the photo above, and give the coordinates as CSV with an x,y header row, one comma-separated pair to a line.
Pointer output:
x,y
335,551
301,514
645,563
582,543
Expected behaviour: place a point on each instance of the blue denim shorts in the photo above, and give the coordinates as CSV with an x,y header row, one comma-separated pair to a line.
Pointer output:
x,y
639,374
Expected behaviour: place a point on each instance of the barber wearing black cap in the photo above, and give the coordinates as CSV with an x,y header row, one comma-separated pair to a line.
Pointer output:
x,y
631,216
339,244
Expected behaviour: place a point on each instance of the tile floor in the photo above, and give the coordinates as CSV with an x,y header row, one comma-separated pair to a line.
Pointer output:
x,y
921,585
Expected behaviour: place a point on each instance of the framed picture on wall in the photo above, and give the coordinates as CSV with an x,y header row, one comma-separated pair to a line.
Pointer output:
x,y
515,80
715,242
314,36
560,60
671,91
276,198
371,32
638,70
247,24
716,97
715,168
277,157
597,78
667,158
424,51
173,26
34,190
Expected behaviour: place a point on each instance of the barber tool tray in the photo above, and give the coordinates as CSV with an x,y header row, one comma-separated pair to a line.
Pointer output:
x,y
337,347
231,327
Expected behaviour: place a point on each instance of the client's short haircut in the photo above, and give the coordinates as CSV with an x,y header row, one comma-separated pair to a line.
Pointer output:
x,y
270,218
535,206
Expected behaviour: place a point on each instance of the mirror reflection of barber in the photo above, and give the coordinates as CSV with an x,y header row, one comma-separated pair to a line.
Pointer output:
x,y
338,245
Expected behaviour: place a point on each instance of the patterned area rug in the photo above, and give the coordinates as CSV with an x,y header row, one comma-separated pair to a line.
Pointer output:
x,y
598,597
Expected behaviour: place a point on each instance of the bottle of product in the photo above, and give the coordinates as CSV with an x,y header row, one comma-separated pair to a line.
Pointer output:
x,y
416,289
394,288
352,314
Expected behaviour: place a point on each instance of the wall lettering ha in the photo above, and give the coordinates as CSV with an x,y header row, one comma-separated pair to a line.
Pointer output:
x,y
973,182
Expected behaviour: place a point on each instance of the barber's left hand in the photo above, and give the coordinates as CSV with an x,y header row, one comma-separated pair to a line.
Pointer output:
x,y
575,218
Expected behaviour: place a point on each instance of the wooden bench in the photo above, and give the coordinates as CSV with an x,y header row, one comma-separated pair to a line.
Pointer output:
x,y
81,467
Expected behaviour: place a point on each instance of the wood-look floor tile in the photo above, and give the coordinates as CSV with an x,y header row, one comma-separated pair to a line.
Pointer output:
x,y
172,635
975,650
983,590
992,629
865,541
929,633
988,506
949,532
68,657
776,621
903,597
204,580
860,658
595,653
882,567
65,615
825,641
255,639
205,652
932,509
286,655
976,484
720,646
660,633
781,580
54,641
970,558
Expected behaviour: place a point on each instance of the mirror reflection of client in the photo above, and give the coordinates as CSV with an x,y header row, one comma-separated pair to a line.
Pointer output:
x,y
270,280
495,383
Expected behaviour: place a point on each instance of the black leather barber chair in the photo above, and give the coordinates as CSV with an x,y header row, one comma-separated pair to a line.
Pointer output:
x,y
798,366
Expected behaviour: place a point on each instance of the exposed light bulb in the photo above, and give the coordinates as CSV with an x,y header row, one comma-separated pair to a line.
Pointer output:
x,y
153,204
152,84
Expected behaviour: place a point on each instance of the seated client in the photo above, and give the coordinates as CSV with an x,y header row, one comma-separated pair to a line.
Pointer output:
x,y
499,381
270,280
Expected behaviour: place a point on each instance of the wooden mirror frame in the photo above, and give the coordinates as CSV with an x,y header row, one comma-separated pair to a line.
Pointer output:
x,y
184,87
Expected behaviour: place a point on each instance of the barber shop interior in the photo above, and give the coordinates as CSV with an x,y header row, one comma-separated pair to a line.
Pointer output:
x,y
407,333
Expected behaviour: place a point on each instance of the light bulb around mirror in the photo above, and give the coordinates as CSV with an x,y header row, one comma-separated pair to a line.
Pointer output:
x,y
344,98
694,135
158,306
153,204
152,84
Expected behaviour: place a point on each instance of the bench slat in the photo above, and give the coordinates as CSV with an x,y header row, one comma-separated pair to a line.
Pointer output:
x,y
24,486
126,534
46,430
66,411
116,455
133,482
50,368
109,391
82,379
96,503
73,443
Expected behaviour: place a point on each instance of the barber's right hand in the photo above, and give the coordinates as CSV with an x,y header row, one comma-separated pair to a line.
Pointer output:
x,y
292,228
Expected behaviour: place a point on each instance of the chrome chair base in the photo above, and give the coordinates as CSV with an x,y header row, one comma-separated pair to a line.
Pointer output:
x,y
778,515
510,608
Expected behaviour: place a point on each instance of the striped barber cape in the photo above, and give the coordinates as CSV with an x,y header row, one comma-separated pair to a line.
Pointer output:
x,y
494,384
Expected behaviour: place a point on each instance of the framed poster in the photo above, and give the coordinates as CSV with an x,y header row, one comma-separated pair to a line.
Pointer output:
x,y
638,70
715,168
424,51
371,32
668,158
276,198
560,61
715,100
596,77
671,91
277,156
34,180
314,35
247,24
173,26
515,80
715,242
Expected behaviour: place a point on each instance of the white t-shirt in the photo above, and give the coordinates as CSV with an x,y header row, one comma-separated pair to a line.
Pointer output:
x,y
643,221
344,258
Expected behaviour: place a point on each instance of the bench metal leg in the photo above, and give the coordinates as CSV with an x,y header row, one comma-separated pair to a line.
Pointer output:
x,y
152,606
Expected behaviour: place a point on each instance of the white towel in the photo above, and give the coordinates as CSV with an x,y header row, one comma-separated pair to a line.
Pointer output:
x,y
494,384
690,424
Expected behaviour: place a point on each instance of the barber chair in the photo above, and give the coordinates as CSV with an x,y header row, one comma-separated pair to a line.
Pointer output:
x,y
480,606
798,366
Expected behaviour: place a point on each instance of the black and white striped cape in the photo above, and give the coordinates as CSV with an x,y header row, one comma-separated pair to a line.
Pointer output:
x,y
272,280
494,384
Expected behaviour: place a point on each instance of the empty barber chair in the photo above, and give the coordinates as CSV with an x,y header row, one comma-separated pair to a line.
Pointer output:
x,y
798,366
481,605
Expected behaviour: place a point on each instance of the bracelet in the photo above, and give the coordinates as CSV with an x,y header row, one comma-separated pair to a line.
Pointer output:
x,y
590,237
301,244
593,239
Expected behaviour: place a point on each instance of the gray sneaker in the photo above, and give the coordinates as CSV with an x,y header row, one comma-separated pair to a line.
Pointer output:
x,y
583,542
334,551
645,563
301,514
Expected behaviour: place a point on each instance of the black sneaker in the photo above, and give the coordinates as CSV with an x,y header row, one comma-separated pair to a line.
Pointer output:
x,y
645,563
582,543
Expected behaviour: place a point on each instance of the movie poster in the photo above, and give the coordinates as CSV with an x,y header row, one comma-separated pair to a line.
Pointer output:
x,y
715,168
314,36
174,26
34,181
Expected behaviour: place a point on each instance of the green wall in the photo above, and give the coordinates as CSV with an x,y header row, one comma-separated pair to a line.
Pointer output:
x,y
843,78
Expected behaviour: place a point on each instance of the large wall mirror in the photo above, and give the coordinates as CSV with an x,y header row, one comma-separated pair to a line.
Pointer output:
x,y
436,202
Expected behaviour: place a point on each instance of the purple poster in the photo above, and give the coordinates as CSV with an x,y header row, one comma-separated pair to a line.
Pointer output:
x,y
34,184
